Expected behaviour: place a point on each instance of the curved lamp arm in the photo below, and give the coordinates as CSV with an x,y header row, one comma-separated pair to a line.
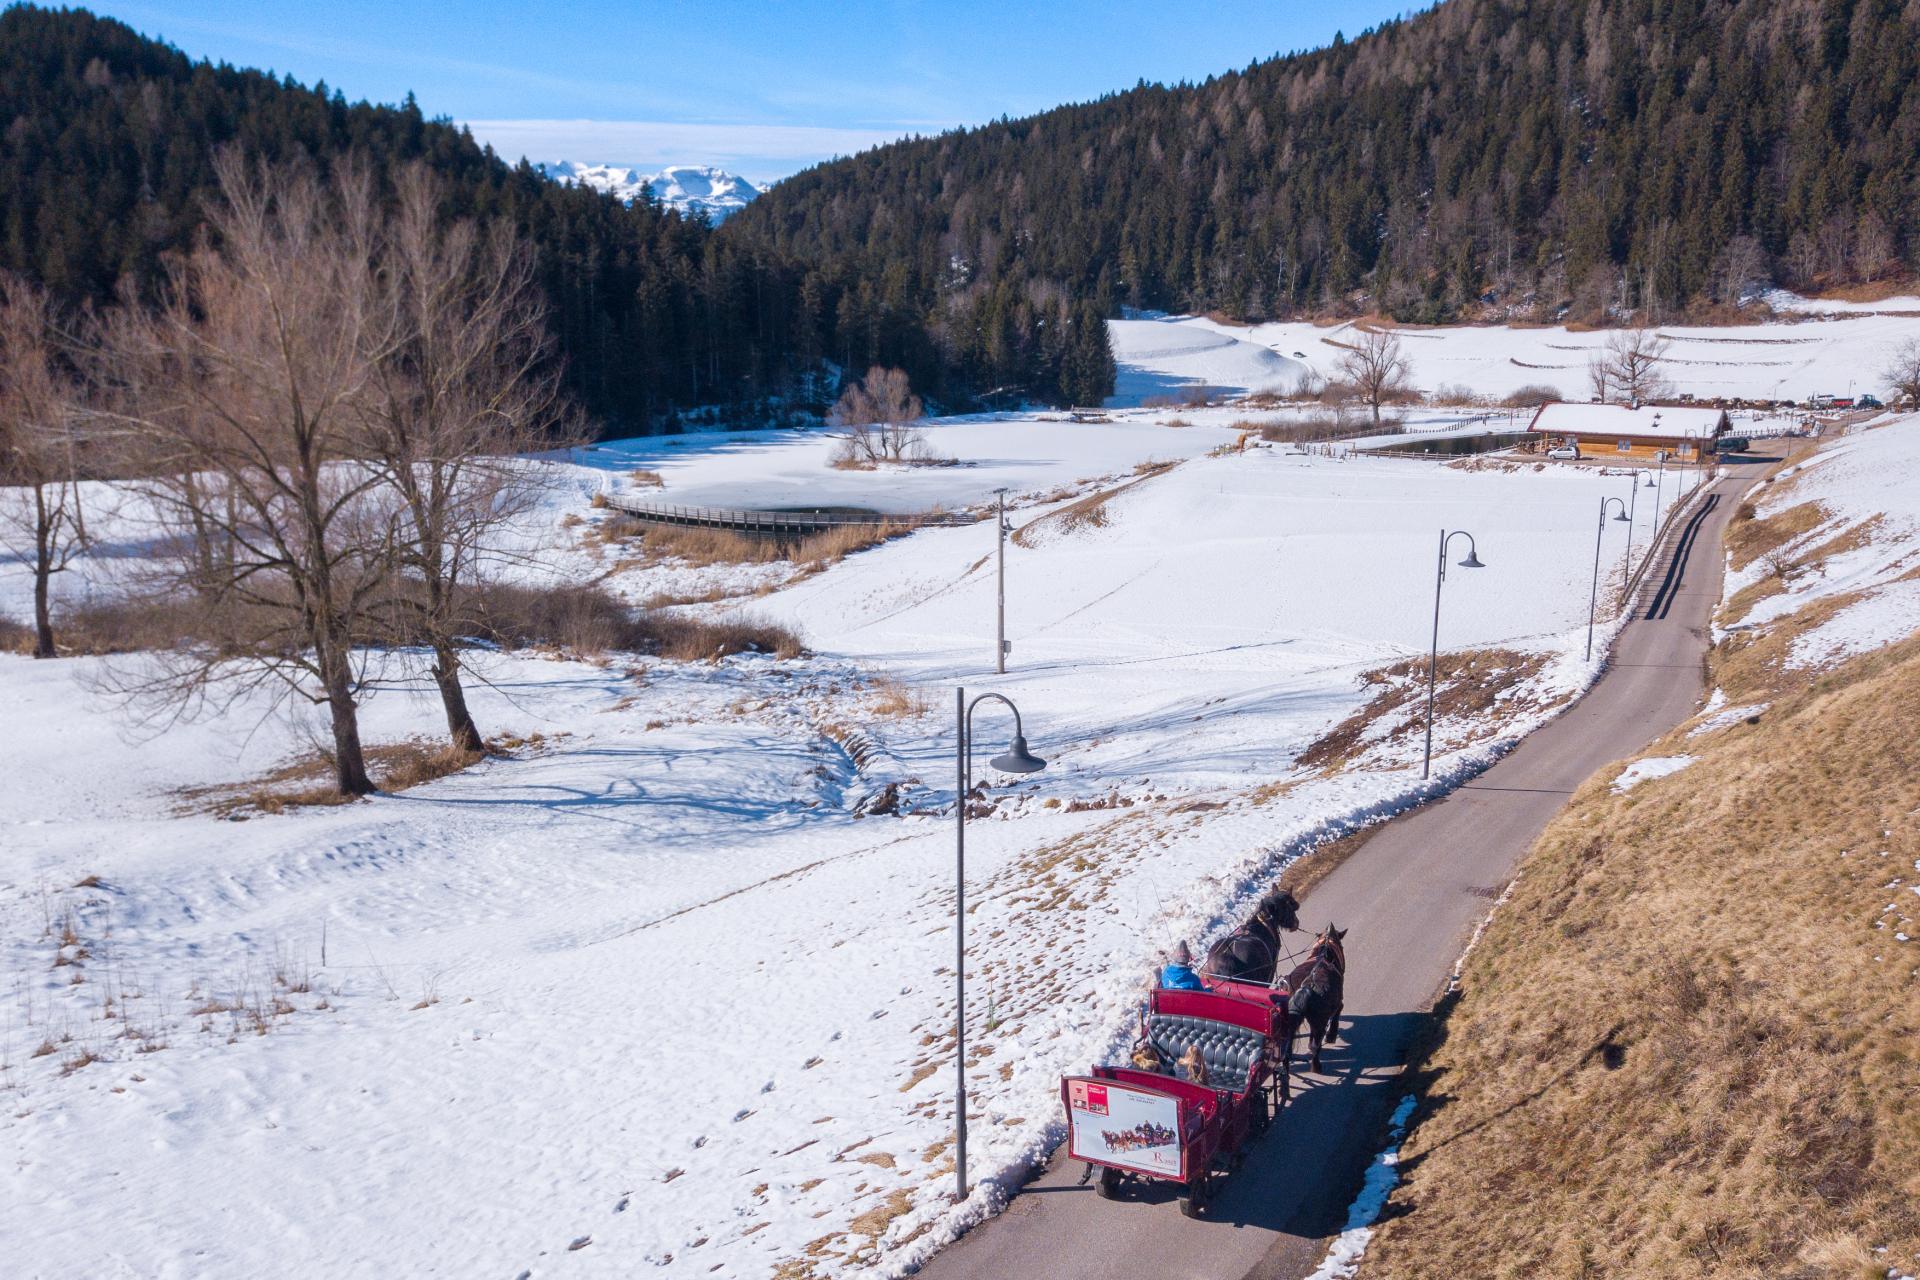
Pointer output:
x,y
967,747
1473,552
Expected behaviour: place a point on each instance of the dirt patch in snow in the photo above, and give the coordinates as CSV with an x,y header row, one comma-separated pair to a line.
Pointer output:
x,y
1468,685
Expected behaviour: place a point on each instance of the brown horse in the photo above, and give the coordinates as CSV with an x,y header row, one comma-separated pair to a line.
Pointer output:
x,y
1317,985
1251,953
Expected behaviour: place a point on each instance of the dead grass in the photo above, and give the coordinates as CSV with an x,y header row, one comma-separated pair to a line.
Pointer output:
x,y
1748,538
702,547
589,620
894,700
646,478
110,625
1688,1044
874,1222
835,544
1467,684
307,782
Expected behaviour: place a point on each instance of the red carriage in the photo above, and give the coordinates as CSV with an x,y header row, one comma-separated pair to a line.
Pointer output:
x,y
1130,1122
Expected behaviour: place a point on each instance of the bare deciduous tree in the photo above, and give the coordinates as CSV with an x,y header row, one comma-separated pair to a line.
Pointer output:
x,y
1740,266
1903,373
1376,369
241,388
1600,377
881,417
1873,247
1628,367
41,517
463,386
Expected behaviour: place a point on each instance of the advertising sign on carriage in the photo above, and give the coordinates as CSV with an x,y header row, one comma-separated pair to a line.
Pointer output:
x,y
1124,1126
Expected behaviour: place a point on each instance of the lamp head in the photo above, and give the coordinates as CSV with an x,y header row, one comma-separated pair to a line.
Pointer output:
x,y
1472,561
1018,759
1621,516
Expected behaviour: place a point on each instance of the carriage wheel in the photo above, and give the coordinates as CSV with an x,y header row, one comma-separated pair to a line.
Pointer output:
x,y
1193,1201
1108,1188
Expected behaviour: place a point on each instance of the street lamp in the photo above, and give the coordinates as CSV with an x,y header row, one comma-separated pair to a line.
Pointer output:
x,y
1433,654
1600,530
1000,625
1016,759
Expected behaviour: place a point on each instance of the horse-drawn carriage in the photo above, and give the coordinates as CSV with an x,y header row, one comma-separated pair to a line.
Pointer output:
x,y
1210,1068
1148,1123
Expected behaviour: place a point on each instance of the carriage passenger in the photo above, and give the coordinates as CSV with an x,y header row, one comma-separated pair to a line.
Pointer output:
x,y
1179,975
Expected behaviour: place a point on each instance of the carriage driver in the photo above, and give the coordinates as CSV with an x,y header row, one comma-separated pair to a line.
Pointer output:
x,y
1179,974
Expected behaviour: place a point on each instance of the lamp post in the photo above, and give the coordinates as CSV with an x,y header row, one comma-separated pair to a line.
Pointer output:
x,y
1000,615
1600,530
1633,508
1017,759
1658,489
1433,654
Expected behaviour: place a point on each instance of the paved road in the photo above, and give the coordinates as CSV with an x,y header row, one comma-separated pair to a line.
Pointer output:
x,y
1411,897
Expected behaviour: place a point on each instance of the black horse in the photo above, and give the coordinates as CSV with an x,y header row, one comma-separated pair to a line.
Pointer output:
x,y
1317,985
1251,953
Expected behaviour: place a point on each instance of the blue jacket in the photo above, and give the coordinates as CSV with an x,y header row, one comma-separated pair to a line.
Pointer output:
x,y
1178,977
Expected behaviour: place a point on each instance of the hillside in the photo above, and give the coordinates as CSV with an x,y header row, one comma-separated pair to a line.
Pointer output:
x,y
1484,155
1685,1044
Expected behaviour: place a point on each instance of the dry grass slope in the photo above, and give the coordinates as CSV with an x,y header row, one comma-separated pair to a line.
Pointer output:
x,y
1689,1044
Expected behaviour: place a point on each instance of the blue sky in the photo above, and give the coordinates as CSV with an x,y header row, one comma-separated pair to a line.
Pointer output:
x,y
764,89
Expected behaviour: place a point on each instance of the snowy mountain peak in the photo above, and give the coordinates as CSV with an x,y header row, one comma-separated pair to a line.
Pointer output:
x,y
690,188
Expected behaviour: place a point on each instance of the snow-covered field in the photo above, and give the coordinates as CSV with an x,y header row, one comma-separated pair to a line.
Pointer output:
x,y
1029,454
1865,488
1843,354
650,993
652,985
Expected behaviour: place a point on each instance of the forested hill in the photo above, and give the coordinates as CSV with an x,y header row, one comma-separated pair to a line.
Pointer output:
x,y
107,142
1485,156
106,158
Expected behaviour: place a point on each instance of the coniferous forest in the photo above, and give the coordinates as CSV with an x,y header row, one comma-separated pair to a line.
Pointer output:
x,y
1583,159
1486,157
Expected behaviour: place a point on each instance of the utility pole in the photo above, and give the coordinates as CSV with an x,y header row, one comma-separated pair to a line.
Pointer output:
x,y
1000,614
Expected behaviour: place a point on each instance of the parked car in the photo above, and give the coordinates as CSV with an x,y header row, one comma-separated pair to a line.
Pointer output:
x,y
1731,444
1565,452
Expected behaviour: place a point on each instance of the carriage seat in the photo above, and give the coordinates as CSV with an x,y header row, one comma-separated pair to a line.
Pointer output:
x,y
1229,1051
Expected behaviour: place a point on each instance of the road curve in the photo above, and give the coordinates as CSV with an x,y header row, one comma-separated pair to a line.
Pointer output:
x,y
1411,897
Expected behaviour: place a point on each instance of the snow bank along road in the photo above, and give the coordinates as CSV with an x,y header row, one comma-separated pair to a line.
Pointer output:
x,y
1410,896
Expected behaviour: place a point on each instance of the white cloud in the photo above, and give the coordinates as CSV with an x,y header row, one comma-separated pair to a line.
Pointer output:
x,y
763,148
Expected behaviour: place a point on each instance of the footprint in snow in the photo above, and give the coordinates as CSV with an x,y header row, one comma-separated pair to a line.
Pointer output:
x,y
579,1244
738,1116
622,1206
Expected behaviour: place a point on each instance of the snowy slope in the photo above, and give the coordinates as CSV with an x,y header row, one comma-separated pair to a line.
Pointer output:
x,y
653,989
686,187
1160,357
1864,485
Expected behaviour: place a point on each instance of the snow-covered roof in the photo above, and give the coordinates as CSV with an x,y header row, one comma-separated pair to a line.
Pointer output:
x,y
1666,422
